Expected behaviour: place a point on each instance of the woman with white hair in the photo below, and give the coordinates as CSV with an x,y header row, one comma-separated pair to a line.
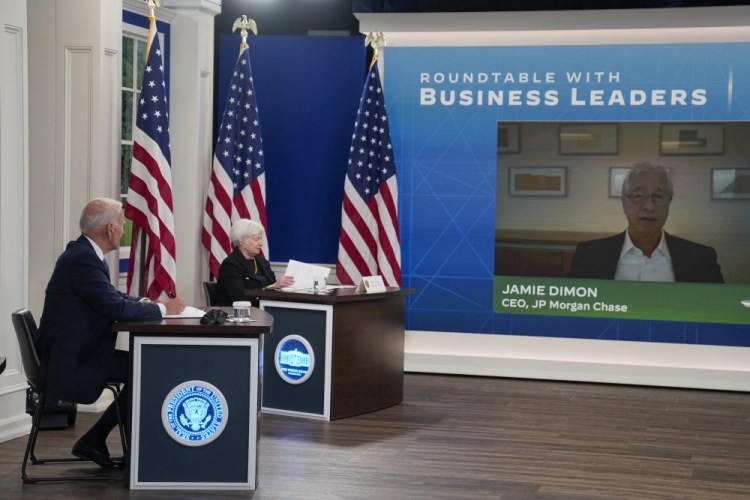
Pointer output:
x,y
245,269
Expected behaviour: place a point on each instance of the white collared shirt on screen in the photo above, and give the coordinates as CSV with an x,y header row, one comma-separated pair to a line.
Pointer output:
x,y
634,266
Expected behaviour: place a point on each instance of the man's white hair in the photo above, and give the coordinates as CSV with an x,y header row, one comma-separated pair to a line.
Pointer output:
x,y
646,167
97,214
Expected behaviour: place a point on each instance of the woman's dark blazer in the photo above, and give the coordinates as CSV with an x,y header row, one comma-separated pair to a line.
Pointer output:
x,y
237,274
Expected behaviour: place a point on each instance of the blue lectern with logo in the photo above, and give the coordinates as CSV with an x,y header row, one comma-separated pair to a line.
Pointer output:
x,y
195,403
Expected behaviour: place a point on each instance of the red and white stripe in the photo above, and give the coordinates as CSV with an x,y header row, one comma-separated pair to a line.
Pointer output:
x,y
369,242
222,210
149,206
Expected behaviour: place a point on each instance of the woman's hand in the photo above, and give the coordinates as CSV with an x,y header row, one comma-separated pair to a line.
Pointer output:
x,y
284,281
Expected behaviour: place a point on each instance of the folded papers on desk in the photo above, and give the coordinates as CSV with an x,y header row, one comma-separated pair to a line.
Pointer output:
x,y
188,312
303,274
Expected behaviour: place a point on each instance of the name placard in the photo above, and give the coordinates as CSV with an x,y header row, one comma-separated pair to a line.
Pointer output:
x,y
371,284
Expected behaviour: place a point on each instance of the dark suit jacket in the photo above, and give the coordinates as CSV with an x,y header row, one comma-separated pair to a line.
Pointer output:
x,y
691,262
76,342
237,274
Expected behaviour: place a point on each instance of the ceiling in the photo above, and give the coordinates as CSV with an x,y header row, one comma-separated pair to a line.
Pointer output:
x,y
525,5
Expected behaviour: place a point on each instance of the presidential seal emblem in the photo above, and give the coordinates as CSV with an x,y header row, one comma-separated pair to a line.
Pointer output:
x,y
294,359
194,413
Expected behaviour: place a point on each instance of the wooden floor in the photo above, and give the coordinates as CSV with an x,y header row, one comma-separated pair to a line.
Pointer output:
x,y
475,438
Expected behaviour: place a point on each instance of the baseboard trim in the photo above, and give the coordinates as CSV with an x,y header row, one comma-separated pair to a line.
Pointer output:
x,y
580,360
14,421
576,371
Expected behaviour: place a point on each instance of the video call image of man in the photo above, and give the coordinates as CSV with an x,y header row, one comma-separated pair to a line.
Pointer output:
x,y
75,342
645,252
244,268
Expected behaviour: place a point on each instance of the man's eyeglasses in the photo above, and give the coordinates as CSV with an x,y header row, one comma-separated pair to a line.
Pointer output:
x,y
640,198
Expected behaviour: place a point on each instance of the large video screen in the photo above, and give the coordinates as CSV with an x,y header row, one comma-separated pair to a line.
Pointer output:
x,y
561,219
509,158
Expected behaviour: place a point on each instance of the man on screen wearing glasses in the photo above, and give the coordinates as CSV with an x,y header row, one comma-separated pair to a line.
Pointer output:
x,y
645,252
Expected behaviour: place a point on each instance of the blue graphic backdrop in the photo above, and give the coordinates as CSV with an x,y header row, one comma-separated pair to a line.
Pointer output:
x,y
443,127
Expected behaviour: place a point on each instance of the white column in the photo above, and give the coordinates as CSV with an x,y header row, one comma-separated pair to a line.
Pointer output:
x,y
74,61
74,111
14,215
190,117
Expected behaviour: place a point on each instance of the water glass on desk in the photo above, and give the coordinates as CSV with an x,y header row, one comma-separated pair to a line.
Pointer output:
x,y
319,284
241,311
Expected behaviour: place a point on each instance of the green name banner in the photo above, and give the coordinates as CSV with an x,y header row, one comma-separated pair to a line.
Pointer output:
x,y
694,302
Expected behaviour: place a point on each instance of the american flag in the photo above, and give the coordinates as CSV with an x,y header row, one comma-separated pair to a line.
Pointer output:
x,y
369,242
237,189
149,202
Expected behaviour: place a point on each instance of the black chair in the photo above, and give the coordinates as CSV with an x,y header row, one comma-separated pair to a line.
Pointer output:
x,y
209,291
26,330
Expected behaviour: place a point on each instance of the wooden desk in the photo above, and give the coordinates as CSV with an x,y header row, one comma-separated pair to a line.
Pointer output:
x,y
358,344
175,363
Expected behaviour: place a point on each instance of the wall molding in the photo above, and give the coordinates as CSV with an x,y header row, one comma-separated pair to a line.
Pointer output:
x,y
581,360
14,209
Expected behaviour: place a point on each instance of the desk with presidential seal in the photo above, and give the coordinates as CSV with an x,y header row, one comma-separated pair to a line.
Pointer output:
x,y
195,392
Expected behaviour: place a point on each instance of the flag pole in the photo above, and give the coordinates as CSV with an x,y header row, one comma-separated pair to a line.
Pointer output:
x,y
152,264
152,4
237,187
243,24
369,241
376,40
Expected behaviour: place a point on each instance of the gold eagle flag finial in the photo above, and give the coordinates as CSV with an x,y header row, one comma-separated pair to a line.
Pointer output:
x,y
152,4
244,24
376,40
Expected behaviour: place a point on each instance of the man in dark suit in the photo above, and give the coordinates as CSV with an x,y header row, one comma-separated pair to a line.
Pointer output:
x,y
76,343
645,252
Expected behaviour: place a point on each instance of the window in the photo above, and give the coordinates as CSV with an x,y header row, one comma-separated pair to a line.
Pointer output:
x,y
133,64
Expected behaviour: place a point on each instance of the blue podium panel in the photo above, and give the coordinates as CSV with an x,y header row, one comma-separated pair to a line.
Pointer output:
x,y
194,415
297,360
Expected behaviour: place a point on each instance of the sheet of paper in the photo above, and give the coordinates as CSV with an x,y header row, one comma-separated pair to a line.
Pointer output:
x,y
188,312
304,274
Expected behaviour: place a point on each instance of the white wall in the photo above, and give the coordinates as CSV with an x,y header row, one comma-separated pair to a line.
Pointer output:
x,y
573,359
14,191
191,122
